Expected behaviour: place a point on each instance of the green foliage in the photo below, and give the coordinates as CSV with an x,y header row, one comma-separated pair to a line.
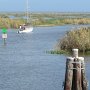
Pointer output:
x,y
57,52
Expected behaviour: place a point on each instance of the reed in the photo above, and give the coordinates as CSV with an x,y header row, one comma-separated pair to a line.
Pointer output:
x,y
10,23
57,52
79,38
42,19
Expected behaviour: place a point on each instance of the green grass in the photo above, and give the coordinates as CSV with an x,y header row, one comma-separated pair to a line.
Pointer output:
x,y
57,52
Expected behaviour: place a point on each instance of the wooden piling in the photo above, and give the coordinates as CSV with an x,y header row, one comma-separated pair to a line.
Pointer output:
x,y
75,78
83,74
75,53
68,74
77,73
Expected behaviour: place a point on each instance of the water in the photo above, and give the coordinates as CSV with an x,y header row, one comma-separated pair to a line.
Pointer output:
x,y
25,65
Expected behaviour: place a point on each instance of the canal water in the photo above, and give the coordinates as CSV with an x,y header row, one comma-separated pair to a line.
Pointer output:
x,y
25,65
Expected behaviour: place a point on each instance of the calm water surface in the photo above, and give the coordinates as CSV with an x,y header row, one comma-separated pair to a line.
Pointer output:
x,y
25,65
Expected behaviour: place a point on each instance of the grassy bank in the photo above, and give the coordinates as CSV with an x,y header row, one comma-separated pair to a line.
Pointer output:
x,y
10,23
79,38
13,20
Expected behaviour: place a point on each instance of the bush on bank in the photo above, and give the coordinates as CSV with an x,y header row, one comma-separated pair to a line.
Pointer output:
x,y
79,38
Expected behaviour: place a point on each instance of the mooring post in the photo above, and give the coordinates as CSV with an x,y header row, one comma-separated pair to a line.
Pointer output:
x,y
77,71
83,75
69,74
75,53
75,78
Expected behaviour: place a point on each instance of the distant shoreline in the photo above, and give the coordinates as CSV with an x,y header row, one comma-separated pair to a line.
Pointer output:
x,y
13,20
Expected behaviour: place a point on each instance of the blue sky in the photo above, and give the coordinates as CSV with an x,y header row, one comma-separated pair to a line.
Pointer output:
x,y
46,5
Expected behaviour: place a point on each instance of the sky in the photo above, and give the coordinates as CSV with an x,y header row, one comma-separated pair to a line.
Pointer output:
x,y
46,5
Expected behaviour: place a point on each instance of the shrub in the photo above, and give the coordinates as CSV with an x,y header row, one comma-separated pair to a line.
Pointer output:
x,y
79,38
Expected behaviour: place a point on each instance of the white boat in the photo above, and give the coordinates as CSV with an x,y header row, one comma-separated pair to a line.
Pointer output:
x,y
26,28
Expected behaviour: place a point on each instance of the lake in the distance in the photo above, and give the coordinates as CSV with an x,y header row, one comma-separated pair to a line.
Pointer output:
x,y
25,65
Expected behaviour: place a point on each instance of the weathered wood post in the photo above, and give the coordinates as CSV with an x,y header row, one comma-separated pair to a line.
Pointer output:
x,y
83,75
75,78
68,74
77,71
